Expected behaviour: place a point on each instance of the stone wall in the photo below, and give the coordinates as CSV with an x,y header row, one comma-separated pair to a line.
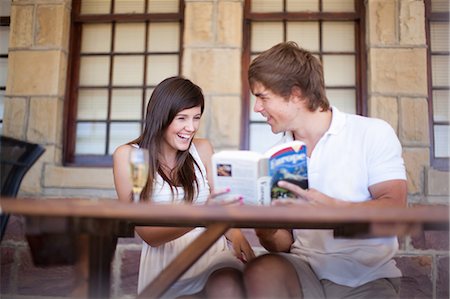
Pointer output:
x,y
397,92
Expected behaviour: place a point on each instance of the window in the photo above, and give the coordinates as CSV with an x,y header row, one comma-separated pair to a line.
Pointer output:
x,y
437,12
331,30
120,51
5,8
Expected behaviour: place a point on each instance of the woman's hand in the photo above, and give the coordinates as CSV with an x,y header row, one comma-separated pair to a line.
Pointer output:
x,y
222,198
241,246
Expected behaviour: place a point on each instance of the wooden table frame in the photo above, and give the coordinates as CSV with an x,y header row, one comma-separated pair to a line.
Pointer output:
x,y
88,215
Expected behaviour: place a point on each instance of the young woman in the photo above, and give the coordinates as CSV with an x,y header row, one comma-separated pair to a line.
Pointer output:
x,y
179,171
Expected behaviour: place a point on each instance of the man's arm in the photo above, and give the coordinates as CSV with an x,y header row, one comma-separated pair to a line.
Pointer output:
x,y
388,193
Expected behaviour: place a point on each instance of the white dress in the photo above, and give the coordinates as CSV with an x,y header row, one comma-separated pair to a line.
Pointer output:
x,y
155,259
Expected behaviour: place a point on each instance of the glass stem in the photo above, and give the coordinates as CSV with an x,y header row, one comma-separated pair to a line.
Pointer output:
x,y
135,197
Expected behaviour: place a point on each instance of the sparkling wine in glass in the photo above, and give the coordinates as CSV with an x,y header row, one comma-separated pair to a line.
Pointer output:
x,y
138,170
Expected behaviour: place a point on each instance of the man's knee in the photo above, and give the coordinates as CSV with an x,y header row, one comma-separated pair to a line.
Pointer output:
x,y
225,283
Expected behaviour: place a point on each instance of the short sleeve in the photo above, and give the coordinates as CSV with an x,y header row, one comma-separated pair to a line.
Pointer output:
x,y
384,154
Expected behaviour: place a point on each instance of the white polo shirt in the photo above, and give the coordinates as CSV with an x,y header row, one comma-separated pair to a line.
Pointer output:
x,y
355,153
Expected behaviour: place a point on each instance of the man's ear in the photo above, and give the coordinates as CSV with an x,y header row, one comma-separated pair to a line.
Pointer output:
x,y
296,94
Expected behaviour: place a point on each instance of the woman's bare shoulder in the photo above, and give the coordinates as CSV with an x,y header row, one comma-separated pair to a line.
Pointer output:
x,y
122,150
203,145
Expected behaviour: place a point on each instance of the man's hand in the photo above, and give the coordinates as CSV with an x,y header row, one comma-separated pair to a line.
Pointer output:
x,y
308,196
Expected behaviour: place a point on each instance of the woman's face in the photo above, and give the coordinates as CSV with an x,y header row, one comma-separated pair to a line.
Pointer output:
x,y
179,133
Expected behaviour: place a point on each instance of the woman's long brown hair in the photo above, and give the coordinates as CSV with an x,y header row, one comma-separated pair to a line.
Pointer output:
x,y
171,96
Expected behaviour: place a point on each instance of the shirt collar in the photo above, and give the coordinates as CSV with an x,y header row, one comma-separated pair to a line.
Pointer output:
x,y
337,123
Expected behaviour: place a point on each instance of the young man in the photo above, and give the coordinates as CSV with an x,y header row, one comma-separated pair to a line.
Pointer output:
x,y
353,160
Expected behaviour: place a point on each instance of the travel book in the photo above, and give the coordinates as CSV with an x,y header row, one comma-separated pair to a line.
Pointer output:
x,y
254,176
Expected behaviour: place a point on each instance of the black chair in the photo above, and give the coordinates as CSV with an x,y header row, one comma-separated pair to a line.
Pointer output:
x,y
16,158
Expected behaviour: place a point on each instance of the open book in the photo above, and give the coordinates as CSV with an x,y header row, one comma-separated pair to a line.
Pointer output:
x,y
254,176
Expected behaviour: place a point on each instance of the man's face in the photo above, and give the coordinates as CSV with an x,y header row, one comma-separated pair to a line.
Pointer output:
x,y
278,111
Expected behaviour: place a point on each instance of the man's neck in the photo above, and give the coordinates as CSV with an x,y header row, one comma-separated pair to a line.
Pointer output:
x,y
313,127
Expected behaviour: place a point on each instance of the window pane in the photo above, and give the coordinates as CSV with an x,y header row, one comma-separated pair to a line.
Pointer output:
x,y
128,70
95,6
343,99
262,138
91,138
128,6
130,37
122,133
267,5
5,8
96,38
265,35
126,104
160,67
441,141
3,71
2,103
441,107
339,36
305,5
338,5
439,36
164,37
4,39
440,5
305,34
94,71
92,104
339,70
161,6
440,70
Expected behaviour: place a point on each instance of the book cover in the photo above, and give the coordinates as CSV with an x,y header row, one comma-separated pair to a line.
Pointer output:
x,y
254,176
288,164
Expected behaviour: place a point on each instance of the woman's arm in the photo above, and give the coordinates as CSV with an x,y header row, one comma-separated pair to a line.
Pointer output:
x,y
154,236
121,172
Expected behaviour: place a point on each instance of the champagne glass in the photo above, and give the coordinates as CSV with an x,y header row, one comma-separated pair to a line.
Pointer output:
x,y
138,170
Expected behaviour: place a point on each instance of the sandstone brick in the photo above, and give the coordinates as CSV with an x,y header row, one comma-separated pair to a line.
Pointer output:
x,y
205,124
129,271
32,182
44,119
79,177
36,73
225,121
417,272
15,230
198,23
7,264
382,15
15,116
442,282
385,108
215,70
416,160
229,24
52,26
398,71
52,281
412,26
438,183
21,35
437,240
414,128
